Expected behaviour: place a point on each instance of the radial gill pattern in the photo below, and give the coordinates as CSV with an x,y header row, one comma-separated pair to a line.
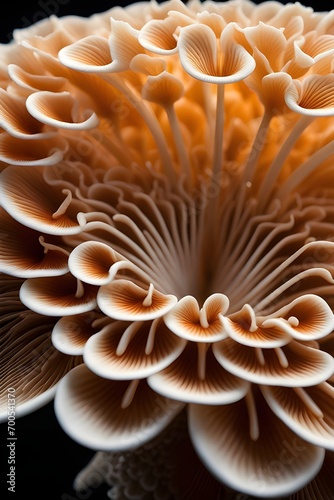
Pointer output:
x,y
167,235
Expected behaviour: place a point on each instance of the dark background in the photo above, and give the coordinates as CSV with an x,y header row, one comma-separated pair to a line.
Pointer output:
x,y
47,459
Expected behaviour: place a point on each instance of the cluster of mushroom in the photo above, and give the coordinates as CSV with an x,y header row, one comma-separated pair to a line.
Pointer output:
x,y
166,218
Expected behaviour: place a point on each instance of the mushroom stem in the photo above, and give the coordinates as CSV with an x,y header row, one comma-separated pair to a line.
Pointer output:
x,y
254,430
257,147
283,361
218,140
259,356
181,151
305,169
203,319
150,120
273,172
151,336
201,362
308,402
127,336
80,290
147,302
64,205
49,246
129,394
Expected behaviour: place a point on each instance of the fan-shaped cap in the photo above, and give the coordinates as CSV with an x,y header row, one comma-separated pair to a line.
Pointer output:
x,y
96,54
35,204
71,333
111,415
91,262
164,89
59,109
123,351
89,54
246,329
275,464
269,41
58,296
148,65
157,36
204,324
42,257
307,317
29,363
314,96
17,121
202,59
273,90
124,44
196,377
308,412
124,300
292,365
30,81
39,152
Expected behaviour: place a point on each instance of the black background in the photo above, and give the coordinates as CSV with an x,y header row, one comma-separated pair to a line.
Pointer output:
x,y
47,459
